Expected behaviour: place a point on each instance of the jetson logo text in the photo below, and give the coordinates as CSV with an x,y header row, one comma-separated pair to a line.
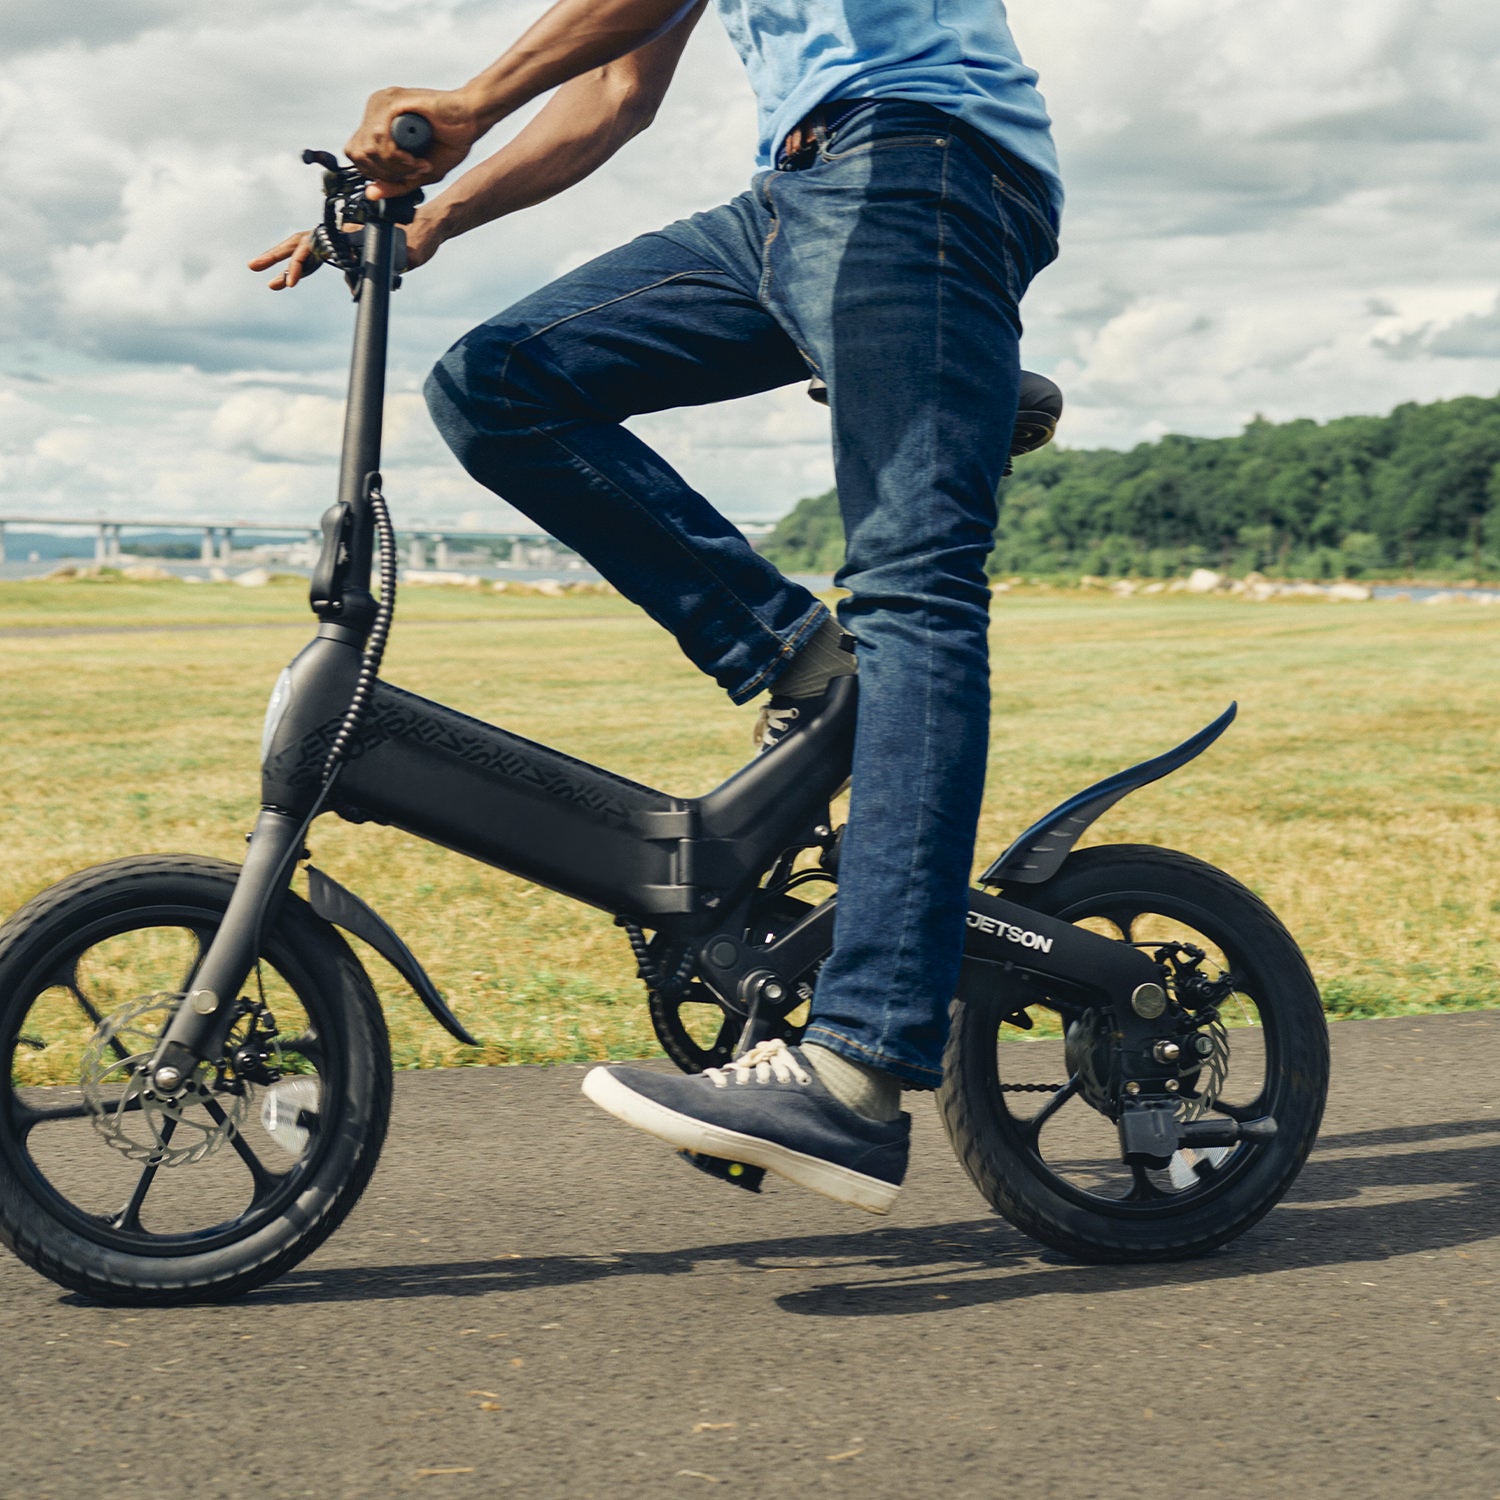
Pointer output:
x,y
1010,934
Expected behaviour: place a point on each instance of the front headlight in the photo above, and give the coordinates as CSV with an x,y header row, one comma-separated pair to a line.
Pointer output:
x,y
281,697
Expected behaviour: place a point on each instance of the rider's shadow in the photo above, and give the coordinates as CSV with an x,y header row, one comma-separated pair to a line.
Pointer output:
x,y
1447,1197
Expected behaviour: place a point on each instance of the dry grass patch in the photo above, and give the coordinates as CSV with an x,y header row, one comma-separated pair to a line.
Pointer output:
x,y
1358,792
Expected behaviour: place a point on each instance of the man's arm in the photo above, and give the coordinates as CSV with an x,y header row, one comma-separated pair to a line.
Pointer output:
x,y
575,37
584,123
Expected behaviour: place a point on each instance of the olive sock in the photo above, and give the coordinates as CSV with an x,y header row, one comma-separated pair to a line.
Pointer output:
x,y
828,654
868,1091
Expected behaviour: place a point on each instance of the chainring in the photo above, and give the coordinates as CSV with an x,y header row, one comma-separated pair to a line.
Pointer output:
x,y
132,1116
666,1002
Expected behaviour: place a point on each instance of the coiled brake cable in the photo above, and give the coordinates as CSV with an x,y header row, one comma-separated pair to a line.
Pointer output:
x,y
380,630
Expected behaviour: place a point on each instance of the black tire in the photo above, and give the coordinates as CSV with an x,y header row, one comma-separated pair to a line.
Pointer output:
x,y
192,1230
1049,1160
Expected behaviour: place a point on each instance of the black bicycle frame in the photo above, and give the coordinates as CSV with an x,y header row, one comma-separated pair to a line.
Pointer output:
x,y
685,867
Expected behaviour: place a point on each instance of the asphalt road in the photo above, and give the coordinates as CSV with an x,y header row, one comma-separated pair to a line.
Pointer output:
x,y
533,1300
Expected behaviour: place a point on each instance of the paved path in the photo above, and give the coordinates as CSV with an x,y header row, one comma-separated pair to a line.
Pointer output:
x,y
532,1300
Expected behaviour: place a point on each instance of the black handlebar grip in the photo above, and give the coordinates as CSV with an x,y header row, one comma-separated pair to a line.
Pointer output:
x,y
412,133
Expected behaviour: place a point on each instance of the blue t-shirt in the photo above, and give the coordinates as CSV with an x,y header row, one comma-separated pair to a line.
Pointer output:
x,y
957,55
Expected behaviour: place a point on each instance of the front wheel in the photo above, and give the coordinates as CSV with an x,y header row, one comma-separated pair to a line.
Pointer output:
x,y
128,1197
1030,1118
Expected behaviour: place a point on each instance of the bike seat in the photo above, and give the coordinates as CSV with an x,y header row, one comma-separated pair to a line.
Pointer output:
x,y
1037,415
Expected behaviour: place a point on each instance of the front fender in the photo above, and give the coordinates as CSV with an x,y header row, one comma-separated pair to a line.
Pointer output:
x,y
344,909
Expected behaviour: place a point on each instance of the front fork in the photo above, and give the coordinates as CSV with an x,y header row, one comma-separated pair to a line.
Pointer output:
x,y
201,1026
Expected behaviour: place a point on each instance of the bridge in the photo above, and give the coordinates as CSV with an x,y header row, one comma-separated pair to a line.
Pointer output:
x,y
217,537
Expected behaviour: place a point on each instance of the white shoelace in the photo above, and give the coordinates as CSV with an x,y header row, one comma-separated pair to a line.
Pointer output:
x,y
773,723
766,1060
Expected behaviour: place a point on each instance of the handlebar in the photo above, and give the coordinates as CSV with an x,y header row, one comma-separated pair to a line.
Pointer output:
x,y
344,203
412,133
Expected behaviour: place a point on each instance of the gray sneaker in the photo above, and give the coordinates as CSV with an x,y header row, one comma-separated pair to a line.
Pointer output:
x,y
769,1109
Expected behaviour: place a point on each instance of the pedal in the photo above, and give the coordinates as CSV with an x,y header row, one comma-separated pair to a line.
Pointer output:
x,y
737,1173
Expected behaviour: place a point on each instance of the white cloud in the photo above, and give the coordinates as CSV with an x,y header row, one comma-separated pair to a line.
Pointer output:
x,y
1269,210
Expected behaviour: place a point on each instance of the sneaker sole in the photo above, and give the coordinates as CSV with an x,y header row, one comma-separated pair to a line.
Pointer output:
x,y
842,1184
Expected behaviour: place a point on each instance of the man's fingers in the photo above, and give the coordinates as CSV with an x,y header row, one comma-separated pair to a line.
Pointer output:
x,y
278,252
297,251
301,264
392,172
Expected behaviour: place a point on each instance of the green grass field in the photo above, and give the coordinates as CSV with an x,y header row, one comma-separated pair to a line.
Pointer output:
x,y
1359,791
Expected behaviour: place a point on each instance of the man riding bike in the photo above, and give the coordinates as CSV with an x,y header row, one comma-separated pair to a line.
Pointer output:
x,y
909,194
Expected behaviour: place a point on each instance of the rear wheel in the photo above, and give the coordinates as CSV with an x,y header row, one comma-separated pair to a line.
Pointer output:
x,y
1031,1120
132,1198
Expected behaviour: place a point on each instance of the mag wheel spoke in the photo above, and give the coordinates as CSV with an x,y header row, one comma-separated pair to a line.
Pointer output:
x,y
1033,1126
265,1180
1142,1189
28,1117
200,944
68,980
305,1044
1254,1110
129,1217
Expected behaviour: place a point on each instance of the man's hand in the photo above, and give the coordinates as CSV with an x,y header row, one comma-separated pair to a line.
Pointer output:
x,y
422,242
456,125
297,251
610,62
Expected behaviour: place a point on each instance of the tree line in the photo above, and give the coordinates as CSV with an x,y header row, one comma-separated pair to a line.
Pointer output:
x,y
1415,493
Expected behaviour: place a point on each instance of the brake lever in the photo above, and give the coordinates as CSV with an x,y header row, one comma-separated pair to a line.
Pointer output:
x,y
344,202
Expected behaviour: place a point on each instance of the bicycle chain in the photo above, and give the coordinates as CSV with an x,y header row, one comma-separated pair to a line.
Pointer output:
x,y
669,986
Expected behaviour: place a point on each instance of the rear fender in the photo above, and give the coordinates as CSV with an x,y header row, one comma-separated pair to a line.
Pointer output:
x,y
1039,852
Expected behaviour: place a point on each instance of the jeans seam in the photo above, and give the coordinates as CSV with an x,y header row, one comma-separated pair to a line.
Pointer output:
x,y
788,649
580,312
906,941
1000,187
763,291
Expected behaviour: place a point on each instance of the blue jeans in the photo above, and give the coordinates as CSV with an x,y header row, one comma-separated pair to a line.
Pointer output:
x,y
890,260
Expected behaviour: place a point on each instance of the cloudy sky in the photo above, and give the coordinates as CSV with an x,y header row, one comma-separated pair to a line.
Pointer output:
x,y
1289,207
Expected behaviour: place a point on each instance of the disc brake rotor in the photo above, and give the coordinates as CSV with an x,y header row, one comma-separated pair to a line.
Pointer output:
x,y
130,1114
1090,1058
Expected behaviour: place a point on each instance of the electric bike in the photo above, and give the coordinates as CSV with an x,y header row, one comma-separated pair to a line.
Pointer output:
x,y
226,1076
